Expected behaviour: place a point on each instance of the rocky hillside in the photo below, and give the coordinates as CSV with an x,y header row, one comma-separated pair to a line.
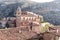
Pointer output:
x,y
50,11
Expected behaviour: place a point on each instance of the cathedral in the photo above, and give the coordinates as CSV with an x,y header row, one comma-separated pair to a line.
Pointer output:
x,y
27,19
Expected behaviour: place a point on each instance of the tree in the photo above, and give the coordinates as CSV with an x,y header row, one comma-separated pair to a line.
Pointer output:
x,y
0,18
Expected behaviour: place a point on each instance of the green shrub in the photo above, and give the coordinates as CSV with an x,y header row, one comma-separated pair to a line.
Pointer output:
x,y
0,18
43,21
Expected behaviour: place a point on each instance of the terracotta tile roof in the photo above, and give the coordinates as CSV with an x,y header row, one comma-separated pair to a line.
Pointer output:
x,y
55,30
30,14
15,34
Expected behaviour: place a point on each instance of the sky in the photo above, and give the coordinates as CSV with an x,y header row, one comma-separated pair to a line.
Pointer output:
x,y
38,1
42,1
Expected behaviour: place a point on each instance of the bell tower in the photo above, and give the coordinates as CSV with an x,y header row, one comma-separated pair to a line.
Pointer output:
x,y
18,12
18,16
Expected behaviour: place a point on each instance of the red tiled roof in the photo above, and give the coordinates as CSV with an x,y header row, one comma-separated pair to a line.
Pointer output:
x,y
15,34
55,30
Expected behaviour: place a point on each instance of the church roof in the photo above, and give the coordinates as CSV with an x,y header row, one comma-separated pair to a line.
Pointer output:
x,y
27,13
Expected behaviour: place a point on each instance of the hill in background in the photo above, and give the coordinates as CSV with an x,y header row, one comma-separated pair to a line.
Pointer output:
x,y
50,11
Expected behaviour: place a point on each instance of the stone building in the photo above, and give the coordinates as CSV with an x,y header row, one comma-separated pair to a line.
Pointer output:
x,y
28,19
3,23
11,22
8,22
